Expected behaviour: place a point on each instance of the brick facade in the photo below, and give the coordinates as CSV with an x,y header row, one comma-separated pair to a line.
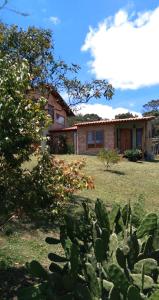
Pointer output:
x,y
82,138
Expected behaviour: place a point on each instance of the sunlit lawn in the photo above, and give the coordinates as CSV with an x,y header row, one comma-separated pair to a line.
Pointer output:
x,y
125,181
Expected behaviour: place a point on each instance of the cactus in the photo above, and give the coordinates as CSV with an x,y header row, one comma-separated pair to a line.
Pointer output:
x,y
114,294
148,225
107,285
36,269
133,244
82,292
113,244
148,248
155,295
105,238
55,268
74,259
103,258
52,241
56,258
37,292
155,243
102,215
150,266
148,281
133,293
125,213
92,279
99,250
114,216
121,258
117,276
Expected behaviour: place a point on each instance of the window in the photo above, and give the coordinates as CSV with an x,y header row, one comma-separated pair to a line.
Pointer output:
x,y
139,138
60,119
95,139
50,110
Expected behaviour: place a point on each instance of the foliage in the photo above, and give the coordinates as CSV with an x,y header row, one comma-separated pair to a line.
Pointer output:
x,y
58,144
133,154
36,46
138,210
108,157
70,149
151,108
22,120
125,116
83,118
105,258
54,181
50,185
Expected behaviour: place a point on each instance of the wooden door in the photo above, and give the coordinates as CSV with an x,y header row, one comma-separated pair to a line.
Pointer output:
x,y
125,139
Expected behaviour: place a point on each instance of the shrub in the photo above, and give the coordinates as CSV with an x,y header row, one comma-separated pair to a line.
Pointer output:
x,y
108,157
70,149
133,154
50,185
53,182
104,258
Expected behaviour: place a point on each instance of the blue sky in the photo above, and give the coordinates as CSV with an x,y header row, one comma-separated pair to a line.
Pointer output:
x,y
115,40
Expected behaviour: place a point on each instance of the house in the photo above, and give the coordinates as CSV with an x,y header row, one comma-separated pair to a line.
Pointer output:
x,y
90,137
58,110
121,134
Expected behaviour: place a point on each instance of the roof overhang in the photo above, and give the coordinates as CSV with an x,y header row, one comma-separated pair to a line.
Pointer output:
x,y
116,121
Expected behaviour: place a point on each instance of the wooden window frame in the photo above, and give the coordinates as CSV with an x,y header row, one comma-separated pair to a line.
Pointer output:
x,y
95,144
141,130
62,117
52,107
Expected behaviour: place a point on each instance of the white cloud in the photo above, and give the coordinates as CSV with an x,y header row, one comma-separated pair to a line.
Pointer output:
x,y
104,111
54,20
125,49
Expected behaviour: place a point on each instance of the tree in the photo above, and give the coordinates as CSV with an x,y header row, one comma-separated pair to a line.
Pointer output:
x,y
108,157
83,118
22,120
3,5
125,116
151,108
36,46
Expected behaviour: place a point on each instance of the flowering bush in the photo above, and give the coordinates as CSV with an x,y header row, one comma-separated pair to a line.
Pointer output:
x,y
54,182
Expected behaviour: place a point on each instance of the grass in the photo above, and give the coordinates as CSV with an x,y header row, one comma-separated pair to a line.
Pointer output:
x,y
125,181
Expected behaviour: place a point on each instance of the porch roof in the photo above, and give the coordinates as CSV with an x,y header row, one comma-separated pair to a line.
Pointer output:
x,y
73,128
115,121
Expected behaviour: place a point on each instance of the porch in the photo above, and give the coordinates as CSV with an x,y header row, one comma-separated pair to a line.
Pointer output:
x,y
130,137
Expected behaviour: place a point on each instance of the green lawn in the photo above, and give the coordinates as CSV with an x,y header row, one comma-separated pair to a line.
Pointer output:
x,y
125,181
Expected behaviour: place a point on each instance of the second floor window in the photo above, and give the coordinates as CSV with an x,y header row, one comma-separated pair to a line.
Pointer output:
x,y
60,119
95,139
50,109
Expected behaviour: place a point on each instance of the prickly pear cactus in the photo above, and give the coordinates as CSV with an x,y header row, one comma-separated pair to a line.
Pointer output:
x,y
104,258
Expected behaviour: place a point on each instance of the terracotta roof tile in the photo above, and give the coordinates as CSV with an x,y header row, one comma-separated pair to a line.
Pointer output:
x,y
114,121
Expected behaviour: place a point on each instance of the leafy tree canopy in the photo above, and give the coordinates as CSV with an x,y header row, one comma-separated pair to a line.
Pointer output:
x,y
36,46
21,119
151,108
125,116
83,118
